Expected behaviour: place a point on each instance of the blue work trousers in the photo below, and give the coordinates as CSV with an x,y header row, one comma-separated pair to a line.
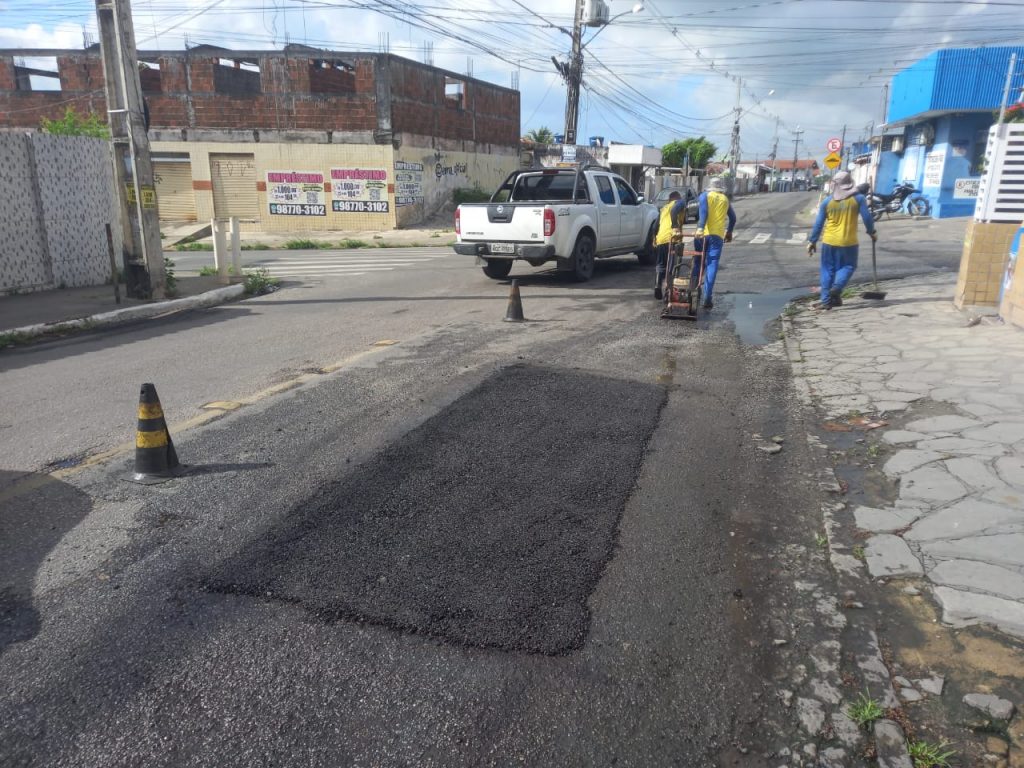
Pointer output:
x,y
711,246
838,263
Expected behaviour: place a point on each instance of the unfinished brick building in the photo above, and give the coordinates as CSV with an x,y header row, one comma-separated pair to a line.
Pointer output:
x,y
299,138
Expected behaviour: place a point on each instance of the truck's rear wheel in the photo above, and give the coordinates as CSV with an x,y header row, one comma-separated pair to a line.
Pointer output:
x,y
496,269
583,259
648,256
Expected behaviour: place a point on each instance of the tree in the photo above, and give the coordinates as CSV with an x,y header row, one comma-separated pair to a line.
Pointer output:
x,y
74,124
542,135
700,151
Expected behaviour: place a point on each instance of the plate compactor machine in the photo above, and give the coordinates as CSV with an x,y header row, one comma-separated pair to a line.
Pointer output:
x,y
681,292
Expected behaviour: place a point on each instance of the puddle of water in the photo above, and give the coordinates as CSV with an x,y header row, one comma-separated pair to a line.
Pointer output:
x,y
750,312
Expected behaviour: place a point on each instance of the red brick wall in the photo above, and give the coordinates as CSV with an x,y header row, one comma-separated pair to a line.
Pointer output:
x,y
25,109
7,82
172,75
80,73
418,105
150,80
295,96
331,80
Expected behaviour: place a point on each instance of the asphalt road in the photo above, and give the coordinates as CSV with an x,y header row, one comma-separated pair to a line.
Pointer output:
x,y
554,543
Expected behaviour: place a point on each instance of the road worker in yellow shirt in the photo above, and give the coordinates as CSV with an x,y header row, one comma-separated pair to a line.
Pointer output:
x,y
714,227
836,225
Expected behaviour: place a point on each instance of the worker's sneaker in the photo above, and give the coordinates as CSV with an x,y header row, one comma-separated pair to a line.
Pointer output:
x,y
835,298
709,304
657,292
820,305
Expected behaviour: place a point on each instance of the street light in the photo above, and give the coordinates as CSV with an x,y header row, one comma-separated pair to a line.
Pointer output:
x,y
573,71
635,9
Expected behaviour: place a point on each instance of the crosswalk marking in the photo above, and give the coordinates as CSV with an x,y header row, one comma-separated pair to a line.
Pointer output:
x,y
326,264
750,236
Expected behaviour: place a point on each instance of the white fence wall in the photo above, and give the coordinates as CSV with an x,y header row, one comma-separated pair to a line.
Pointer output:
x,y
56,195
1001,192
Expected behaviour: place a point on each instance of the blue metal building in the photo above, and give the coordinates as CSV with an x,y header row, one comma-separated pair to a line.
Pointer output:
x,y
944,105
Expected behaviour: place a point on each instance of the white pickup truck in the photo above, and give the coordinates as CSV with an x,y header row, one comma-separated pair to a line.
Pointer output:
x,y
567,215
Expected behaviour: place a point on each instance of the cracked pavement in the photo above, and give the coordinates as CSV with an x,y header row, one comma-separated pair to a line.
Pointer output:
x,y
958,520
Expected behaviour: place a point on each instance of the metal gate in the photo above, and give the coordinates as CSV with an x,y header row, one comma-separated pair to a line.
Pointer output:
x,y
233,179
174,189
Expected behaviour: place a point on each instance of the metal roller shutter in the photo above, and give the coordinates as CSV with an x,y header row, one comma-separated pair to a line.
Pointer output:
x,y
174,190
234,186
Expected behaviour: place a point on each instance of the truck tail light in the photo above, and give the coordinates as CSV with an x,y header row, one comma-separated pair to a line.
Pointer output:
x,y
458,222
549,222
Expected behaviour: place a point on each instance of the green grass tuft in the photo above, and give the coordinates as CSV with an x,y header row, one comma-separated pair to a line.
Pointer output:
x,y
865,710
929,755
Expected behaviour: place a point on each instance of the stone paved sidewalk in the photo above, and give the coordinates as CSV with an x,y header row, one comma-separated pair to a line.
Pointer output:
x,y
959,517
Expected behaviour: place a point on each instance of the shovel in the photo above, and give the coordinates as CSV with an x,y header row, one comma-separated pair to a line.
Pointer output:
x,y
875,295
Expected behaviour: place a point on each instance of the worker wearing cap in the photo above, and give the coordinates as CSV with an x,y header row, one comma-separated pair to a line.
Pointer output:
x,y
714,227
836,225
669,221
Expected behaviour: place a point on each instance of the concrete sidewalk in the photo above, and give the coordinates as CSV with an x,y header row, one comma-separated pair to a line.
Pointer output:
x,y
955,387
54,307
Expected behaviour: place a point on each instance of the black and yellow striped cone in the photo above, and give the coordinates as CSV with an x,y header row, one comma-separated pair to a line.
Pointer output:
x,y
155,458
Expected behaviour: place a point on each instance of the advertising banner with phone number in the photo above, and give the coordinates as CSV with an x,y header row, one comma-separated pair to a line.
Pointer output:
x,y
359,190
296,193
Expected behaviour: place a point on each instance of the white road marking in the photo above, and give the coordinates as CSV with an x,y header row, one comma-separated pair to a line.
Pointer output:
x,y
760,238
797,238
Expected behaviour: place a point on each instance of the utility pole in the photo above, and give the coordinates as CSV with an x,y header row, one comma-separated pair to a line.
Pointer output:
x,y
735,151
775,152
1006,88
842,151
796,154
574,76
133,169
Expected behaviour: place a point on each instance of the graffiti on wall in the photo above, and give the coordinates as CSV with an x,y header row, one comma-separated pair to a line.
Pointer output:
x,y
455,169
408,183
296,193
359,190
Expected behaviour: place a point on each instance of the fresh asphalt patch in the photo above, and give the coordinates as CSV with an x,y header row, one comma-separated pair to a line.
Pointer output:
x,y
489,525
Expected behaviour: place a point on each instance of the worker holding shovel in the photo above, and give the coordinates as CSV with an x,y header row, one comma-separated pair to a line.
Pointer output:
x,y
836,225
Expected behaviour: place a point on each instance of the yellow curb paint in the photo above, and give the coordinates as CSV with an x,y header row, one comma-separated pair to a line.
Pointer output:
x,y
384,343
150,411
157,439
212,414
222,405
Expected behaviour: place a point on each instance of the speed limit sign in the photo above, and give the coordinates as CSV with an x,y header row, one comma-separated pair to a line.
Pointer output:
x,y
834,145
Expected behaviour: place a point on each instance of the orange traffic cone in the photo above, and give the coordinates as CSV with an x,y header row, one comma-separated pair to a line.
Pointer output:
x,y
156,461
514,313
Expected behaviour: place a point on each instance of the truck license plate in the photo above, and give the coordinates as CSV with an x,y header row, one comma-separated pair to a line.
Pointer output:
x,y
502,248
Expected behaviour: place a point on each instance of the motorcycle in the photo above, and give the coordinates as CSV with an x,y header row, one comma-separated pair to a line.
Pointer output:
x,y
880,204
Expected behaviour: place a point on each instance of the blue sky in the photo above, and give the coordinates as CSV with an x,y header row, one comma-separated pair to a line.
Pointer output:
x,y
670,71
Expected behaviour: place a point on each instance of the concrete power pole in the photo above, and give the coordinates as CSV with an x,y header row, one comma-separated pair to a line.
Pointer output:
x,y
133,169
1006,88
735,150
775,155
842,152
796,154
574,76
